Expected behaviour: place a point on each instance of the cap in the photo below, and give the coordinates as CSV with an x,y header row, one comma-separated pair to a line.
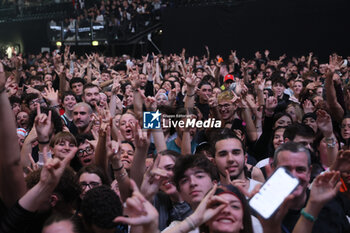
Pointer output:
x,y
229,77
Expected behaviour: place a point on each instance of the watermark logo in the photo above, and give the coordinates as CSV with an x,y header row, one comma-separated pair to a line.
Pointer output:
x,y
151,120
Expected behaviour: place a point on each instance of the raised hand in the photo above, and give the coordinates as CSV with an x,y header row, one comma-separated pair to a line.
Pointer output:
x,y
209,207
325,187
342,162
51,96
271,104
53,168
308,106
140,211
324,123
43,125
141,138
152,180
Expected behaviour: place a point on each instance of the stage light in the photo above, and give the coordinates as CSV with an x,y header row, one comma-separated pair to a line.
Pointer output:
x,y
95,43
58,43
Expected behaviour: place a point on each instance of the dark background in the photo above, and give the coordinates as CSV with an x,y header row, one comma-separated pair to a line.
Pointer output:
x,y
294,27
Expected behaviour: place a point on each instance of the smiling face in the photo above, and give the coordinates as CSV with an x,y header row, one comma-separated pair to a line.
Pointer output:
x,y
167,163
229,156
278,138
127,155
226,109
22,119
229,219
297,164
62,148
92,96
297,87
68,102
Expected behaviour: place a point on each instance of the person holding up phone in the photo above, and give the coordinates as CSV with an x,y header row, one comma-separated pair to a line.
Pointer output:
x,y
332,217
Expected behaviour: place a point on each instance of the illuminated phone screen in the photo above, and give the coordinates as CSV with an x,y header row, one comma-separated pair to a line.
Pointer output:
x,y
273,192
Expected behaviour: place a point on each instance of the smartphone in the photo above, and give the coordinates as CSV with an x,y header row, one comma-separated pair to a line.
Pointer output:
x,y
273,192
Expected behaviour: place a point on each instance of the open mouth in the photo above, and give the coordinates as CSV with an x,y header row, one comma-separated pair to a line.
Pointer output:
x,y
87,161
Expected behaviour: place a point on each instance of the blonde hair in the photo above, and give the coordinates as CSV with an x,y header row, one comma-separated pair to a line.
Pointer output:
x,y
226,96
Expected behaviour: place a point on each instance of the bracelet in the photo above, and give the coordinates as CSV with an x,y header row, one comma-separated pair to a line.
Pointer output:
x,y
307,215
118,169
43,143
190,223
191,95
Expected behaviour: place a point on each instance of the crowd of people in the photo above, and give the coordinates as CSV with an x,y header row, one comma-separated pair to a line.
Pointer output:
x,y
76,155
120,18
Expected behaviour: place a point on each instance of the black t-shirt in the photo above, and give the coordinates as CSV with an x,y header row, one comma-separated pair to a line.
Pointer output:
x,y
332,217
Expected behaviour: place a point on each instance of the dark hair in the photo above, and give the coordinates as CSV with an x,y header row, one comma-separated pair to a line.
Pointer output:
x,y
88,86
67,188
298,129
202,83
14,99
93,169
29,97
123,86
67,93
278,115
76,80
223,134
276,78
130,143
100,206
184,163
58,217
82,137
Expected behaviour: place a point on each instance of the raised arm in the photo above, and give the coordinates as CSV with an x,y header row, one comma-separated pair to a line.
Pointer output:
x,y
12,185
324,188
141,142
337,111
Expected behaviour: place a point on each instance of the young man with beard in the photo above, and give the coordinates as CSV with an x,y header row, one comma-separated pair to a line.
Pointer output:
x,y
91,95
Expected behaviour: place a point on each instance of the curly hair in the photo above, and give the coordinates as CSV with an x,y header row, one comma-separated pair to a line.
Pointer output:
x,y
100,206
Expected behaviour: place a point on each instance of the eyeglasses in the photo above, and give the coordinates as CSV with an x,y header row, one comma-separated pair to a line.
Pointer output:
x,y
88,151
91,185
